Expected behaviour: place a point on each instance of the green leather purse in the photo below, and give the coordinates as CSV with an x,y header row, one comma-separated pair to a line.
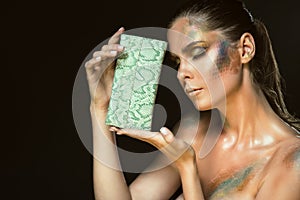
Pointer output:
x,y
135,82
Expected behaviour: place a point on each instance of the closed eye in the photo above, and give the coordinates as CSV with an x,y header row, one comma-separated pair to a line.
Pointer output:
x,y
198,52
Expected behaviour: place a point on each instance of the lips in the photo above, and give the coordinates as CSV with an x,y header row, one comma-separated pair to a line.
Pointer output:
x,y
193,91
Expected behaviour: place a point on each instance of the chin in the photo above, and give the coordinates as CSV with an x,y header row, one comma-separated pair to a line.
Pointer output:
x,y
202,105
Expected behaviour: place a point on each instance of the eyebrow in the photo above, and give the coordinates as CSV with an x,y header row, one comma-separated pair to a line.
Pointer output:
x,y
189,46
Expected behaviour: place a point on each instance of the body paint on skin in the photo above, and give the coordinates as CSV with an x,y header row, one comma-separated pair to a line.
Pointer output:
x,y
297,160
192,32
292,158
222,61
226,60
236,182
223,58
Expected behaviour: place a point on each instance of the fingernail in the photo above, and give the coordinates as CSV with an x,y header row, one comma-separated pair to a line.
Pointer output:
x,y
113,128
121,29
118,133
98,58
120,47
163,131
113,53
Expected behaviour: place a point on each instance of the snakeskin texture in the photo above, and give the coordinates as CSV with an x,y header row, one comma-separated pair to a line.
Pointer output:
x,y
135,82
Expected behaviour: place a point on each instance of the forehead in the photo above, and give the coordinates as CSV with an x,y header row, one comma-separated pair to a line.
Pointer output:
x,y
183,33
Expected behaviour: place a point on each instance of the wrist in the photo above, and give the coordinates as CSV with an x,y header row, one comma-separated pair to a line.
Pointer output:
x,y
187,161
94,108
186,166
97,115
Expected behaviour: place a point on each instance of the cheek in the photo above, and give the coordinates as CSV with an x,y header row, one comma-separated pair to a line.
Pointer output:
x,y
226,65
214,86
209,68
223,59
227,59
216,62
221,73
231,73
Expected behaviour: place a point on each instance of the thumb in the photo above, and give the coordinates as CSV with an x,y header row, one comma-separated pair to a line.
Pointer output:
x,y
167,135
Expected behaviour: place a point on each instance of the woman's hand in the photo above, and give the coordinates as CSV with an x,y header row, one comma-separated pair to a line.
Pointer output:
x,y
175,149
100,71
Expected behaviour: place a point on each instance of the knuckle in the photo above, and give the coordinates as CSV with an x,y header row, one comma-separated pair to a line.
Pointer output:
x,y
87,64
95,54
116,46
105,47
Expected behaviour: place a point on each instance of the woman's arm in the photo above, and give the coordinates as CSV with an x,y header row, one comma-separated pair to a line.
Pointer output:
x,y
178,151
109,182
190,181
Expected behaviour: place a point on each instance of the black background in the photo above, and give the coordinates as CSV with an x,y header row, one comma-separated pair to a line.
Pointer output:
x,y
46,43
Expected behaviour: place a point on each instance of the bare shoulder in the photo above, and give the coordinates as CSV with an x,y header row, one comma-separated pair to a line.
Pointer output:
x,y
282,177
287,155
291,158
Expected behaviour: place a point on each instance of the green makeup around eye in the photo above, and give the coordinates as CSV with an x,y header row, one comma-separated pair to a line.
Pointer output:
x,y
197,52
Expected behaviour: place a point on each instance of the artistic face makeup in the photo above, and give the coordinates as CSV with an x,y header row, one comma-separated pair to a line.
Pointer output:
x,y
192,31
195,50
223,59
228,59
203,58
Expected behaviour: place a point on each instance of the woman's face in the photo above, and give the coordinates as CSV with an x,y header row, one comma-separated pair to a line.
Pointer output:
x,y
210,67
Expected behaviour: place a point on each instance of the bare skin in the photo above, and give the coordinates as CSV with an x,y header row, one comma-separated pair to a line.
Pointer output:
x,y
256,156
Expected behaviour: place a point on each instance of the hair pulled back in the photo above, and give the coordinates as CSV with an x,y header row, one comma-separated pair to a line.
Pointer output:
x,y
232,18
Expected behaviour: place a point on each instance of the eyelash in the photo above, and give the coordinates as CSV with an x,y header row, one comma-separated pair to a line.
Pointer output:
x,y
177,60
200,54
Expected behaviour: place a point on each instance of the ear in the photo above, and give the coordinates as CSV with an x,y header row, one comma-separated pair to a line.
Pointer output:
x,y
247,48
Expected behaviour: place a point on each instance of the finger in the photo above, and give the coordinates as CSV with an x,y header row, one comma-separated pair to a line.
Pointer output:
x,y
116,37
112,47
174,146
133,132
101,56
147,136
95,63
114,129
167,135
92,62
105,54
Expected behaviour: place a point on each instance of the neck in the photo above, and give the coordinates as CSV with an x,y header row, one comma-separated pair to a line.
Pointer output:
x,y
249,119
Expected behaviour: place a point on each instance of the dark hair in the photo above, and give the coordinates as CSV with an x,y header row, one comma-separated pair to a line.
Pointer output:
x,y
233,19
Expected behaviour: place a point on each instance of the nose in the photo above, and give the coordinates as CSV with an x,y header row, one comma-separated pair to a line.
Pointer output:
x,y
185,70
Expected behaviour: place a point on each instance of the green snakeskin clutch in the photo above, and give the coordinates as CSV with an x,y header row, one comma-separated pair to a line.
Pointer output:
x,y
135,82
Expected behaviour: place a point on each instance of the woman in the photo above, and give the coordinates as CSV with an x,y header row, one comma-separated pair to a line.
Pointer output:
x,y
257,155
